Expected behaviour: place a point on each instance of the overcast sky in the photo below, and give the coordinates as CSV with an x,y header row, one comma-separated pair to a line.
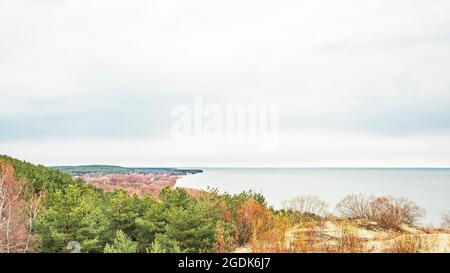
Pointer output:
x,y
358,83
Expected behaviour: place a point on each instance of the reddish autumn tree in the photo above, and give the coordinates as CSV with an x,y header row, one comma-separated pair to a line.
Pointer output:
x,y
18,210
249,212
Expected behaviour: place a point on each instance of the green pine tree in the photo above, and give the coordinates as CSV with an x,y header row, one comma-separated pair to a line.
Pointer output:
x,y
122,244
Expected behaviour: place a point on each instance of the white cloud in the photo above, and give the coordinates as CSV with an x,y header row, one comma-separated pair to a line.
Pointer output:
x,y
305,149
376,68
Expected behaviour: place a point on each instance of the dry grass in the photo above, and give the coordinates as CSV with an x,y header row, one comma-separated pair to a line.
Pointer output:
x,y
341,236
348,240
306,238
281,236
270,234
385,227
414,243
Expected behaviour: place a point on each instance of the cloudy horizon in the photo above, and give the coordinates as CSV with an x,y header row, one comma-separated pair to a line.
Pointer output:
x,y
358,83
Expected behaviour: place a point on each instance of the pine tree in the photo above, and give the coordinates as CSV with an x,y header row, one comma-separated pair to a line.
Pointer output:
x,y
74,214
122,244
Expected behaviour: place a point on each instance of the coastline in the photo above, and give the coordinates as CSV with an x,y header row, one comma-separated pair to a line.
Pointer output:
x,y
427,187
141,181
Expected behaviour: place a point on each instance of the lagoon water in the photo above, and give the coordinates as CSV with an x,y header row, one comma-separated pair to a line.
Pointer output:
x,y
428,187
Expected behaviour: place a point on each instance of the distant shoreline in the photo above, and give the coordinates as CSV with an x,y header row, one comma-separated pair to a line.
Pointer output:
x,y
139,181
110,169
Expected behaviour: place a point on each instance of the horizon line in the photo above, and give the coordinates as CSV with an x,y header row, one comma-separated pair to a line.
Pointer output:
x,y
256,167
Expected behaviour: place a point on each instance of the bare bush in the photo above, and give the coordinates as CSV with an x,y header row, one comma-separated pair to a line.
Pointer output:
x,y
388,212
355,206
306,205
446,221
391,212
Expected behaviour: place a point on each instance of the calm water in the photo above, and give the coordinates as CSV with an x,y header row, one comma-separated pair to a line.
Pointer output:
x,y
428,188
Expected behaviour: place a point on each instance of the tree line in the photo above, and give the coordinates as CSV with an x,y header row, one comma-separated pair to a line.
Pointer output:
x,y
45,210
51,209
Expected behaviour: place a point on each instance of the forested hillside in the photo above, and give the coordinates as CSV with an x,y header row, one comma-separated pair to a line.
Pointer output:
x,y
51,209
45,210
107,169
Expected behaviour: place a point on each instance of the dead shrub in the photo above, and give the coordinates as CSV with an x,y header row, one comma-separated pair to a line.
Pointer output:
x,y
391,213
387,211
446,221
306,205
354,206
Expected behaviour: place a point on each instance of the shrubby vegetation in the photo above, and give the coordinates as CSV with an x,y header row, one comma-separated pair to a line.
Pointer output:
x,y
388,212
446,221
42,210
122,244
311,205
71,210
414,243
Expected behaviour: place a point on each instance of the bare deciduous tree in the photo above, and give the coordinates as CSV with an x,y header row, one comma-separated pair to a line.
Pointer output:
x,y
306,204
446,221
